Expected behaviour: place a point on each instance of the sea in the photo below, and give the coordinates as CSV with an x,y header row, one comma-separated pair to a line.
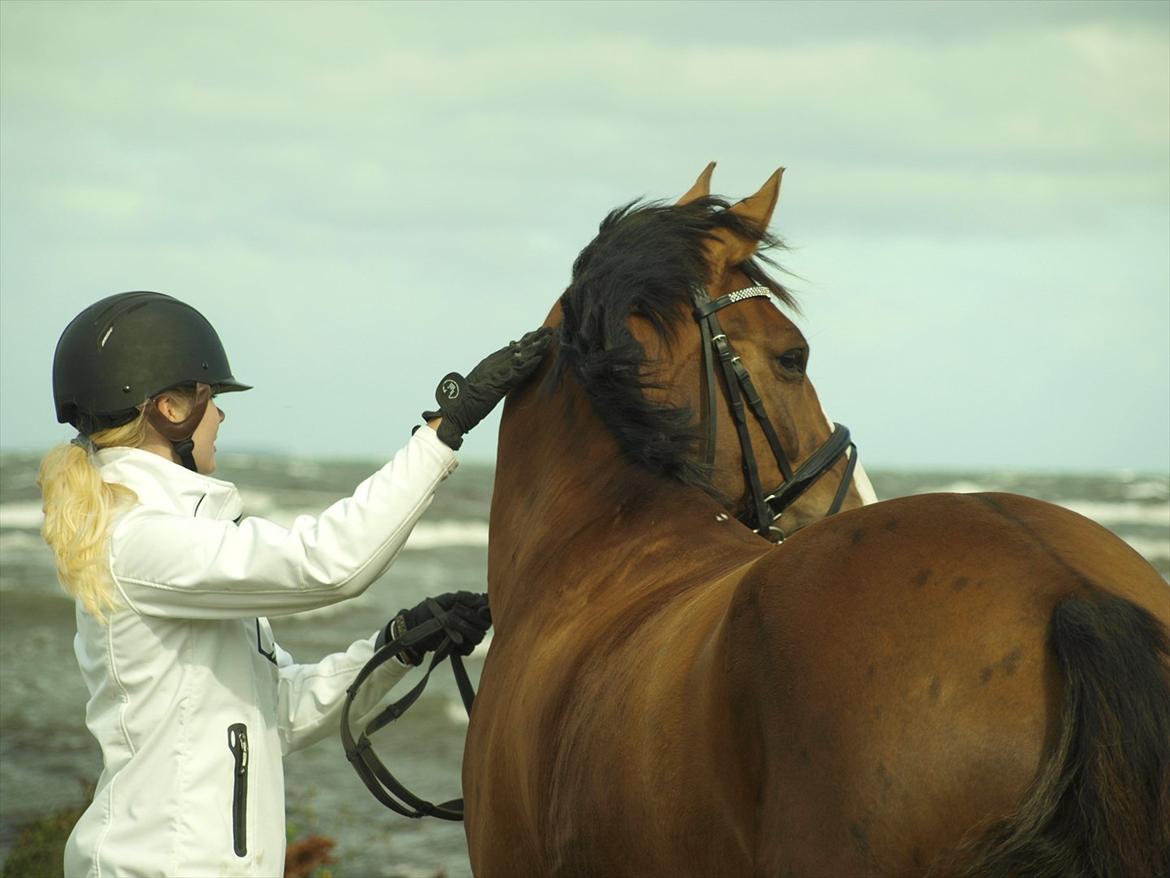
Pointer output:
x,y
47,756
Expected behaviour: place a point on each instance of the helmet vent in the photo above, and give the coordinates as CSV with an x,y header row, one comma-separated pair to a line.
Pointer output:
x,y
105,337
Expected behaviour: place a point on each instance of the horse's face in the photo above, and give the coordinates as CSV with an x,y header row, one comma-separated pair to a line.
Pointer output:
x,y
775,354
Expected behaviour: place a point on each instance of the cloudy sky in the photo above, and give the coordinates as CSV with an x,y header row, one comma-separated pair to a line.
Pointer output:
x,y
363,196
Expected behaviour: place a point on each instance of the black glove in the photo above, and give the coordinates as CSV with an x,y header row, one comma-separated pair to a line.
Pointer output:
x,y
464,402
462,613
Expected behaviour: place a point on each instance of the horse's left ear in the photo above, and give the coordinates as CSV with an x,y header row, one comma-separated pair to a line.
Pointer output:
x,y
702,187
728,250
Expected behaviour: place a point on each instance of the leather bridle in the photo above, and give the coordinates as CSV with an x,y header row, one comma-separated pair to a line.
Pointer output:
x,y
766,508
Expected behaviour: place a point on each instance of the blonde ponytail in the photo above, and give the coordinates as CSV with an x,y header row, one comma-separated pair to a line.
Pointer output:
x,y
79,510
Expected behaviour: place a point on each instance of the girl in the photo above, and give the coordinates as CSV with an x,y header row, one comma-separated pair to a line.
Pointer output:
x,y
191,700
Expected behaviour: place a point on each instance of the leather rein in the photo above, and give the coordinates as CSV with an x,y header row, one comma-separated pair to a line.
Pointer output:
x,y
766,508
386,788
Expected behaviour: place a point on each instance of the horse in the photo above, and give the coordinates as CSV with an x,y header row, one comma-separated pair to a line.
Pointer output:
x,y
680,683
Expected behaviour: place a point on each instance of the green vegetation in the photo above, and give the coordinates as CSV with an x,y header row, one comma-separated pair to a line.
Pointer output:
x,y
40,848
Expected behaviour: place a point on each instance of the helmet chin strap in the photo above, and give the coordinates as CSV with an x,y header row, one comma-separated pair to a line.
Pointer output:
x,y
179,433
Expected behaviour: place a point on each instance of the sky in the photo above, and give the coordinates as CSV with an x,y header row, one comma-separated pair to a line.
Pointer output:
x,y
362,197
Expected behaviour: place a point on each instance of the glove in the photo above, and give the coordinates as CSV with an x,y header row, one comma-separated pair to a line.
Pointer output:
x,y
464,402
463,612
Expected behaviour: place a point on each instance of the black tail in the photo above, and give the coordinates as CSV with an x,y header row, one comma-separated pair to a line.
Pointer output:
x,y
1101,805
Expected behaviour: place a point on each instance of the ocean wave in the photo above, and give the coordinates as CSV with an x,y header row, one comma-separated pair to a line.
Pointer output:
x,y
426,534
1147,490
26,516
962,486
1110,514
1150,548
442,534
22,541
456,713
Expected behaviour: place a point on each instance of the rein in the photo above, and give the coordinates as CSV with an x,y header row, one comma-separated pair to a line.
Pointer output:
x,y
766,508
378,780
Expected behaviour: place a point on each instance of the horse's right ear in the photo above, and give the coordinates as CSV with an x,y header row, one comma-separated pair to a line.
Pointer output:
x,y
726,250
702,187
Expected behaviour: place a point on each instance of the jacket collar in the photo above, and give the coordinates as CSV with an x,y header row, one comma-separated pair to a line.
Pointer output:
x,y
168,487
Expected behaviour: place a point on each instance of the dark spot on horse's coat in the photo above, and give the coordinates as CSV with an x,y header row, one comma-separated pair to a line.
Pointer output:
x,y
921,578
1011,661
980,583
916,854
935,688
960,583
884,780
870,671
860,838
877,712
986,674
857,536
891,525
804,755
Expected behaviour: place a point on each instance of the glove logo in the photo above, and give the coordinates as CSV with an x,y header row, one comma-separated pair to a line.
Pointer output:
x,y
449,389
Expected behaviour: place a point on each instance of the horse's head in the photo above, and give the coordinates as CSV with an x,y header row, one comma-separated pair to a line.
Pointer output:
x,y
670,329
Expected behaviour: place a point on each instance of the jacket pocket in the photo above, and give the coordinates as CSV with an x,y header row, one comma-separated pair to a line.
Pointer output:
x,y
238,744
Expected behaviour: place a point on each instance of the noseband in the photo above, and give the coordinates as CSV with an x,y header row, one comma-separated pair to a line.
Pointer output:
x,y
766,509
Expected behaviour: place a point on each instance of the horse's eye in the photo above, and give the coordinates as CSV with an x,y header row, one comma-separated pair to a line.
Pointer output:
x,y
794,361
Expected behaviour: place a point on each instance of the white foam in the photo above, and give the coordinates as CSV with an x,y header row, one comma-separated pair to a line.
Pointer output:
x,y
441,534
960,487
1150,490
21,541
456,712
1150,548
27,516
263,503
1107,513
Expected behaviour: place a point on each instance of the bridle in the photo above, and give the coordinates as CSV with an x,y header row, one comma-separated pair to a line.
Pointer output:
x,y
766,509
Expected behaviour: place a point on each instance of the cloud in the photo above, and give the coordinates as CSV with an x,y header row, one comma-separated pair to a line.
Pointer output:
x,y
362,185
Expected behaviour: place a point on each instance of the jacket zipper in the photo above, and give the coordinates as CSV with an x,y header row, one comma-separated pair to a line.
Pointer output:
x,y
238,744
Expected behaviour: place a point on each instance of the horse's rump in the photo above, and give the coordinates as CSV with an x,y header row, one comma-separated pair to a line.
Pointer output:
x,y
1101,804
903,691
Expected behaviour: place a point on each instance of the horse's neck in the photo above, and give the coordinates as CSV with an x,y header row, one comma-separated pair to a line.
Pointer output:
x,y
572,518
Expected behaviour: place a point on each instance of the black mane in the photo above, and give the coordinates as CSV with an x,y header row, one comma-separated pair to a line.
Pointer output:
x,y
645,261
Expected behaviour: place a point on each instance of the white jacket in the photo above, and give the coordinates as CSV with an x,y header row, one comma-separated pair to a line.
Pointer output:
x,y
191,700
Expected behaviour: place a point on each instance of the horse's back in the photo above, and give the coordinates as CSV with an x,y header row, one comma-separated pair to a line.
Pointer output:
x,y
895,657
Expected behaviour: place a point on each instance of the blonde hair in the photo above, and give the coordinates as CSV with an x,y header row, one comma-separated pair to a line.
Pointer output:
x,y
79,509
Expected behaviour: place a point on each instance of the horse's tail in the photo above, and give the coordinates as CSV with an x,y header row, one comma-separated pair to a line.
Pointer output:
x,y
1100,807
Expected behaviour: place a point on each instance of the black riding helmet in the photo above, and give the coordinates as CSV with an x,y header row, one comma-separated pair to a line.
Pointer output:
x,y
128,348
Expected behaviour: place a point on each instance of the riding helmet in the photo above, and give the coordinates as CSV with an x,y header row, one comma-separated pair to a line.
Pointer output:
x,y
122,351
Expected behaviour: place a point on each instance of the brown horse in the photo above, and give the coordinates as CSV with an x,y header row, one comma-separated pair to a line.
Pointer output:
x,y
941,684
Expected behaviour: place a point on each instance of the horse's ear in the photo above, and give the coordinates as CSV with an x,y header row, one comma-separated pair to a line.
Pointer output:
x,y
702,187
727,250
